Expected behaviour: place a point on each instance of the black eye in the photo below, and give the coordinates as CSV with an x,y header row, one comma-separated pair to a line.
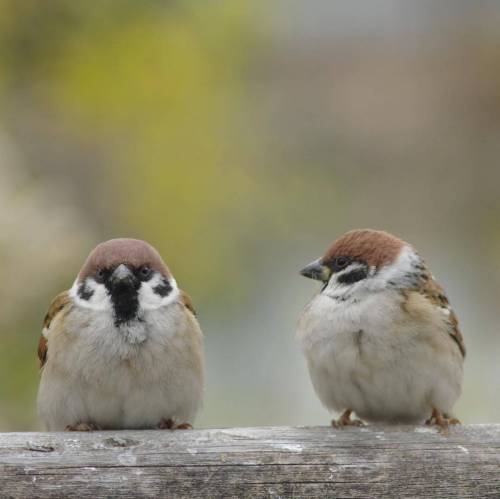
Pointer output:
x,y
340,263
145,273
99,275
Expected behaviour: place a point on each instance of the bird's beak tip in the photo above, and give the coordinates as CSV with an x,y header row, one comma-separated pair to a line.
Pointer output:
x,y
316,270
122,273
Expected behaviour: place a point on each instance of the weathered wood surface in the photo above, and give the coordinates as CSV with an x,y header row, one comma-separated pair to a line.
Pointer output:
x,y
389,462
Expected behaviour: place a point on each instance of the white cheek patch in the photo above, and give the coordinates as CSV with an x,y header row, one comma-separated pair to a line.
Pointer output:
x,y
149,299
99,298
404,264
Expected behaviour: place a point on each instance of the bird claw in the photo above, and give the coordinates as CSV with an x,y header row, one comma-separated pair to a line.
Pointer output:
x,y
442,421
345,420
83,427
170,424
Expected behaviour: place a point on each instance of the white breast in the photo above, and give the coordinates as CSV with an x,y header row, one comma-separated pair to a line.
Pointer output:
x,y
371,357
126,377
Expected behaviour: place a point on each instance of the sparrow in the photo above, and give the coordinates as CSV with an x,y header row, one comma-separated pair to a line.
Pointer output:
x,y
122,349
380,338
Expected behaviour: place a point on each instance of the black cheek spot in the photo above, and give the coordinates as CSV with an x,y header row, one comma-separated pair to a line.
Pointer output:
x,y
163,289
353,276
84,293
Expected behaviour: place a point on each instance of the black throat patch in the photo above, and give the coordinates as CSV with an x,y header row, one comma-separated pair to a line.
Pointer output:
x,y
125,299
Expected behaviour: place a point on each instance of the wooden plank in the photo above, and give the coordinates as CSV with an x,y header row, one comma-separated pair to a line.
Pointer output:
x,y
374,461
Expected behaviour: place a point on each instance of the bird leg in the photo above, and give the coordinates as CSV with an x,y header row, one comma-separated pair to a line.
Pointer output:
x,y
441,420
170,424
345,420
183,426
83,427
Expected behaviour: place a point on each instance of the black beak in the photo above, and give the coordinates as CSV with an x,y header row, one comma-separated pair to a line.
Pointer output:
x,y
317,270
123,276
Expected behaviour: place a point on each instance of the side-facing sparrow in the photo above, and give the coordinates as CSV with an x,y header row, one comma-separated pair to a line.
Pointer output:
x,y
380,337
122,348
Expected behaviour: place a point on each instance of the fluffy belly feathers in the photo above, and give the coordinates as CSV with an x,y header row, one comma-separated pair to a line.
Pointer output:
x,y
94,376
366,357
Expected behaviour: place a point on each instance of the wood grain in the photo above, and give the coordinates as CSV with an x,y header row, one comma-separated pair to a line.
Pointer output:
x,y
375,461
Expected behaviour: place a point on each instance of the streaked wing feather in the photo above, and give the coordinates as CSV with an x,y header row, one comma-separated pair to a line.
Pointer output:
x,y
59,303
436,295
187,302
42,351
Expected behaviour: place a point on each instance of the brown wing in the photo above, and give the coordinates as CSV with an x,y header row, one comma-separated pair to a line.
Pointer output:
x,y
187,302
42,351
57,305
435,294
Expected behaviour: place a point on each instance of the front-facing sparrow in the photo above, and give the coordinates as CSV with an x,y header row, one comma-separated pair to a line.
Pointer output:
x,y
122,348
380,337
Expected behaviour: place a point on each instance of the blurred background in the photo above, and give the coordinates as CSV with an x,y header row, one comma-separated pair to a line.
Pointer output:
x,y
241,138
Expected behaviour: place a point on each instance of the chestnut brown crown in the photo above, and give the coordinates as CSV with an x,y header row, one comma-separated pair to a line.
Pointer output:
x,y
132,252
374,247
